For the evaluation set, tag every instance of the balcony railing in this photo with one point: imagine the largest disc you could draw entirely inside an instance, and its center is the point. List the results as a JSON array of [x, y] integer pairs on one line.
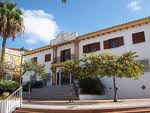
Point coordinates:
[[58, 59]]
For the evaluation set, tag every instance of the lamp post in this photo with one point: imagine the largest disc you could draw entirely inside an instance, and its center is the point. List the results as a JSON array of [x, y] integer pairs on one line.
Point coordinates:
[[21, 52]]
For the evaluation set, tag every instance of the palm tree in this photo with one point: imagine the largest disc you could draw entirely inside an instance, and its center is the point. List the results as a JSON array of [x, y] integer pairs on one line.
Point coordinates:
[[64, 1], [11, 24]]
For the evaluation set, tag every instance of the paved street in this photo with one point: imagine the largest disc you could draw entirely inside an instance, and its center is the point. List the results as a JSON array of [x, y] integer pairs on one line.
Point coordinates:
[[88, 104]]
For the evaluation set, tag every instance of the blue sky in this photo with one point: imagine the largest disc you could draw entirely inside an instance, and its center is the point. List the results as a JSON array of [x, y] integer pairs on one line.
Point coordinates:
[[45, 19]]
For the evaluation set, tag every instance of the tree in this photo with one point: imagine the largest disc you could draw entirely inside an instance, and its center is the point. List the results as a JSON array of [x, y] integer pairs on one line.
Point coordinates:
[[90, 65], [71, 67], [105, 64], [86, 67], [7, 68], [123, 66], [34, 69], [11, 24]]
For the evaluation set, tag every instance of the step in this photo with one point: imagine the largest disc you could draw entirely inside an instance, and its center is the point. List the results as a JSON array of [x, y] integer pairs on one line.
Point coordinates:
[[119, 110], [62, 92]]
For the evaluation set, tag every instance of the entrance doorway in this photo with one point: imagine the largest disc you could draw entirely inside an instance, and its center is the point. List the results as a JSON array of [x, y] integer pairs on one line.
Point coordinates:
[[65, 79]]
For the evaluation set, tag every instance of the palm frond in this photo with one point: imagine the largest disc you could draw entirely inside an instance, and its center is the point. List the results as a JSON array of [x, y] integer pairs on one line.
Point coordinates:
[[8, 85], [64, 1]]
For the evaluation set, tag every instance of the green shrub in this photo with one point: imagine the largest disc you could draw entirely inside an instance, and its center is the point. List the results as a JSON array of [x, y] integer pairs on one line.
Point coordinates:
[[91, 86], [26, 87], [8, 86], [38, 84]]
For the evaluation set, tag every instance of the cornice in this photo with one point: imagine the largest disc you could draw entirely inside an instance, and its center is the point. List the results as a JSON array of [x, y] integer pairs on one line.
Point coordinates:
[[120, 27], [115, 28], [38, 50]]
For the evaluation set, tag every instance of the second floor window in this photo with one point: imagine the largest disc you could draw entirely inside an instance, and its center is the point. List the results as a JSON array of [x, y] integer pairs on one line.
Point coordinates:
[[47, 57], [65, 55], [93, 47], [138, 37], [34, 59], [112, 43]]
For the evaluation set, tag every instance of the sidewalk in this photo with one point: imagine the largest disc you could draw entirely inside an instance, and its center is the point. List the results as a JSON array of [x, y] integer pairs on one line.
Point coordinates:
[[87, 104]]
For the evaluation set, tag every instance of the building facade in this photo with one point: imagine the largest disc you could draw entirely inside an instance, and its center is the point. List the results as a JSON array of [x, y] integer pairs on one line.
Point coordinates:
[[132, 36], [13, 60]]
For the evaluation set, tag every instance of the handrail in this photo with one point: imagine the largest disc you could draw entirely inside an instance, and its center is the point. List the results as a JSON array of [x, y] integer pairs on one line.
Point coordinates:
[[12, 102], [13, 93]]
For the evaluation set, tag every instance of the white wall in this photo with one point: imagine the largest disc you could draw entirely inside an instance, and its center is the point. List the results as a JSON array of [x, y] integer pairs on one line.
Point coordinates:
[[127, 88], [91, 97], [128, 46], [41, 60]]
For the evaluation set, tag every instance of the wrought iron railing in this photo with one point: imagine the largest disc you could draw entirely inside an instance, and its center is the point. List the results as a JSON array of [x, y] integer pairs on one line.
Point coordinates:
[[12, 102], [58, 59]]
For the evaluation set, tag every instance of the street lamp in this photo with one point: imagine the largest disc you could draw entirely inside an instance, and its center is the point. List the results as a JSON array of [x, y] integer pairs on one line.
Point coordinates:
[[21, 53]]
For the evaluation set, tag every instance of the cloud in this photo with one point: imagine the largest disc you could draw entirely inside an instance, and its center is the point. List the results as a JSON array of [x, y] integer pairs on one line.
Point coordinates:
[[39, 26], [134, 5]]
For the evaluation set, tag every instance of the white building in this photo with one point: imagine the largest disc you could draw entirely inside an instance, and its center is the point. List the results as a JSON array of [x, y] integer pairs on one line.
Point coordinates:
[[132, 36]]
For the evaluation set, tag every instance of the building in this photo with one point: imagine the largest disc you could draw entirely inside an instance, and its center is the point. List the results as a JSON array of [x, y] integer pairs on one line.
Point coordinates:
[[13, 60], [132, 36]]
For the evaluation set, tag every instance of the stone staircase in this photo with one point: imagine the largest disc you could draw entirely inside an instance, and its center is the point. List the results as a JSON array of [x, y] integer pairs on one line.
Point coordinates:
[[120, 110], [62, 92]]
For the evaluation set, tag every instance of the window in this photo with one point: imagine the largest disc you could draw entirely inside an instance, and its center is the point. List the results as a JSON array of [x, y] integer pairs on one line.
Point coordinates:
[[47, 57], [93, 47], [138, 37], [34, 59], [9, 77], [65, 54], [113, 43]]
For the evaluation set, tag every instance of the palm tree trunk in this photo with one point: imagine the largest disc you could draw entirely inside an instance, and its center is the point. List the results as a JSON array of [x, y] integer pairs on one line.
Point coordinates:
[[3, 53], [115, 89]]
